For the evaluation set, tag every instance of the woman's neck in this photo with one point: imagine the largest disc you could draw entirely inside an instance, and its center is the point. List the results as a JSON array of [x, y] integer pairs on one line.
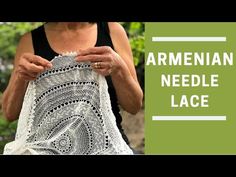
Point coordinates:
[[68, 26]]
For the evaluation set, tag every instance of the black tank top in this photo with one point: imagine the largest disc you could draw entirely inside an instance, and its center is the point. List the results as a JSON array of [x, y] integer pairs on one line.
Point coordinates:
[[43, 49]]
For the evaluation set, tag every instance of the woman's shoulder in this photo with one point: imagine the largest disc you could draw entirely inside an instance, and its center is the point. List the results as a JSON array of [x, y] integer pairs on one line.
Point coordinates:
[[24, 45], [116, 29], [119, 37], [27, 37], [25, 42]]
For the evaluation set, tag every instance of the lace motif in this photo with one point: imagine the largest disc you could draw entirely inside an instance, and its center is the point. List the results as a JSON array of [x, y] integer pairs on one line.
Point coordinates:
[[67, 110]]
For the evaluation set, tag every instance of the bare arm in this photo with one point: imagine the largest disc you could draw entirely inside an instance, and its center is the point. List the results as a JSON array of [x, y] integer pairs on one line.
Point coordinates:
[[125, 81], [26, 67], [119, 65]]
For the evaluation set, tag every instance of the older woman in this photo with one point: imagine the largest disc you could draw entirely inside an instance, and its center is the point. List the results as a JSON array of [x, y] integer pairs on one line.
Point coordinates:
[[104, 46]]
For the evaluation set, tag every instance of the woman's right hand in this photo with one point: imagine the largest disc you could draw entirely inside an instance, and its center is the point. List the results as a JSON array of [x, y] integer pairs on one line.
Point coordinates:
[[29, 66]]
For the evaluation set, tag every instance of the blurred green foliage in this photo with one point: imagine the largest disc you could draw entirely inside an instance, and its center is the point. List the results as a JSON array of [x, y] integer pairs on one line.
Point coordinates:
[[7, 132], [10, 33], [7, 129], [135, 32], [4, 78]]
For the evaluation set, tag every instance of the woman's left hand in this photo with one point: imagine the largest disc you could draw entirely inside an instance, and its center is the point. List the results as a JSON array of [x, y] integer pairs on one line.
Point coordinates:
[[104, 60]]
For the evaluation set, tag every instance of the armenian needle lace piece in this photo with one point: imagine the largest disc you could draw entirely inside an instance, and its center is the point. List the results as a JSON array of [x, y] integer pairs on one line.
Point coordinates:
[[67, 110]]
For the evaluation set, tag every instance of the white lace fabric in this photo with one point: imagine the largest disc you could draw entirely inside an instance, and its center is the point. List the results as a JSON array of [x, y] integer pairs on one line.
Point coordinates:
[[67, 110]]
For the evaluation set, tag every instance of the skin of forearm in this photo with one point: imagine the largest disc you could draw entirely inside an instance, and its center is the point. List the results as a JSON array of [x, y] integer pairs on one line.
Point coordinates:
[[129, 98], [13, 97]]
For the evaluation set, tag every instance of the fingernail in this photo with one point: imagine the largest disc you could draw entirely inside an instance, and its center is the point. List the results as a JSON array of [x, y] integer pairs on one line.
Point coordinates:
[[49, 65]]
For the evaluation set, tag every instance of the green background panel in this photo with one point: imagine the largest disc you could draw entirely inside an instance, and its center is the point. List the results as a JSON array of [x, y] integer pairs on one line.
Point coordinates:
[[190, 137]]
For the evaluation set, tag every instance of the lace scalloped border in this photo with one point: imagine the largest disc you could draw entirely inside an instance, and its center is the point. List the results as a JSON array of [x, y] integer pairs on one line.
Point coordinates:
[[116, 139]]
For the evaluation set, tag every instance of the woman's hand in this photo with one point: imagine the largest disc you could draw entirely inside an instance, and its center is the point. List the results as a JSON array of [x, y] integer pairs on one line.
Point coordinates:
[[30, 66], [104, 60]]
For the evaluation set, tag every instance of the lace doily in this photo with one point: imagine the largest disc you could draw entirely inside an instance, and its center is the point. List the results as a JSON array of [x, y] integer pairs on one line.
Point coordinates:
[[67, 110]]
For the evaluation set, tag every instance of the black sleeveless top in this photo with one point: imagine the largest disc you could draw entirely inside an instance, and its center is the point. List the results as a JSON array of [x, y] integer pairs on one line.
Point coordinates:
[[43, 49]]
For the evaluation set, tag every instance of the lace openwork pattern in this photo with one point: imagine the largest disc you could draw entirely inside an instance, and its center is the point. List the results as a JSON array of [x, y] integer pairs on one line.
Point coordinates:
[[67, 110]]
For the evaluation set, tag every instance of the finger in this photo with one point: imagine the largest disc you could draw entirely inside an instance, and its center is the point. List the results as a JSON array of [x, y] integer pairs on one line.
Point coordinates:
[[43, 62], [31, 74], [36, 68], [95, 50], [27, 77], [104, 72], [31, 68], [103, 65], [91, 58], [40, 61]]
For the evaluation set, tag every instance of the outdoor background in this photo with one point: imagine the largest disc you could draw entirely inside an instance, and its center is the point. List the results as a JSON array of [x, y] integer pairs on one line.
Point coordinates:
[[9, 37]]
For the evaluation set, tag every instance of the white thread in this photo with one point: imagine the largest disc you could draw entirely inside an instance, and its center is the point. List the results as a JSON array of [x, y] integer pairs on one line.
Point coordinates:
[[67, 110]]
